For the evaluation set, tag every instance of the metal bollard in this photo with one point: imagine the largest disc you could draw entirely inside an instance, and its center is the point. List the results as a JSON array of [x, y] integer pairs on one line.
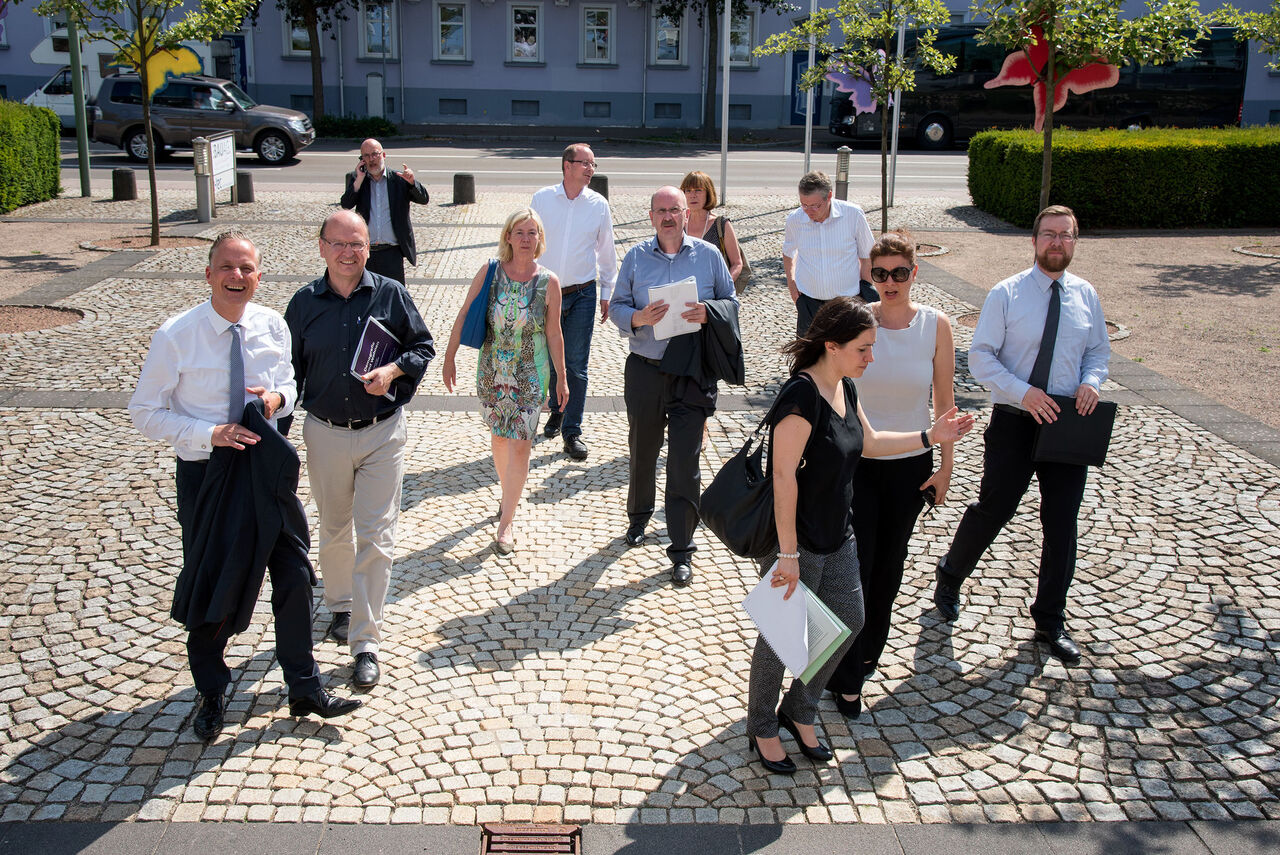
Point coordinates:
[[600, 184], [244, 186], [124, 186], [842, 172], [464, 188]]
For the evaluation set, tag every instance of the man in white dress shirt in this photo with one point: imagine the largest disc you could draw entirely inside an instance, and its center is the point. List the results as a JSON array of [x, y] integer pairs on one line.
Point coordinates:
[[826, 250], [580, 251], [186, 395]]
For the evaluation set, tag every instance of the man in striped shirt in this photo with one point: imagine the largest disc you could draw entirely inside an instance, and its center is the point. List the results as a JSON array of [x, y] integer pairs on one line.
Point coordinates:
[[826, 250]]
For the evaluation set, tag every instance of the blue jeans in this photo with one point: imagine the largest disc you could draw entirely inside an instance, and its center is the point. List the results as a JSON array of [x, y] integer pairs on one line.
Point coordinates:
[[577, 318]]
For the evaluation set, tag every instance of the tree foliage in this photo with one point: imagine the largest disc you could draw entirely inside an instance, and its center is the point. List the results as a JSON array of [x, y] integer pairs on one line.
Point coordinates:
[[708, 14], [138, 30], [860, 37], [1261, 27], [1078, 33]]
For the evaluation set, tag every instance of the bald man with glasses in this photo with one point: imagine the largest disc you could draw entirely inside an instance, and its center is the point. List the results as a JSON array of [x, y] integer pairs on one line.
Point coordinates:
[[381, 197]]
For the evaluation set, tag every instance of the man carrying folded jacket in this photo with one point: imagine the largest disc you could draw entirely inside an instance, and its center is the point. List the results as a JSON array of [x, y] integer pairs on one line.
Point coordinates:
[[1040, 333]]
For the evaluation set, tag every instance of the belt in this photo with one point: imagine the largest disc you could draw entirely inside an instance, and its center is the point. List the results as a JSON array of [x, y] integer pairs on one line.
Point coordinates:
[[381, 247], [1012, 410], [355, 424], [656, 363], [574, 289]]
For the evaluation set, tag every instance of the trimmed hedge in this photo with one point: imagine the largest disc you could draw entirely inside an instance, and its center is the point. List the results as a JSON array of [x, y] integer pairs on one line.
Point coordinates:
[[354, 127], [30, 160], [1153, 178]]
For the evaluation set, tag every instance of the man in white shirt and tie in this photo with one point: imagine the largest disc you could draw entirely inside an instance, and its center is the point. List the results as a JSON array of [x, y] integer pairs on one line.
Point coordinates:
[[203, 366], [1041, 333], [826, 250], [580, 251]]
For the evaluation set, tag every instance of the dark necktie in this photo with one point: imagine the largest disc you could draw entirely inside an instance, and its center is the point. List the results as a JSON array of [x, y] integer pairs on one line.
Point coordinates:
[[1044, 359], [236, 362]]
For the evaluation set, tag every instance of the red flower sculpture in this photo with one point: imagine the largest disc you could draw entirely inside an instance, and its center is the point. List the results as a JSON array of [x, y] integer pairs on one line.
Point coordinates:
[[1017, 71]]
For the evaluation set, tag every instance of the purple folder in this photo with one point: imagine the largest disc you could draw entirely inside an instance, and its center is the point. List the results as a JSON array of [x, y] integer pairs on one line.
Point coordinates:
[[377, 347]]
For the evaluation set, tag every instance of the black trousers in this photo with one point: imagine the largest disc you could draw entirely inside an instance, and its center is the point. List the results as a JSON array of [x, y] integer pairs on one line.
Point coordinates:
[[1007, 468], [886, 503], [387, 260], [657, 402], [290, 603], [807, 307]]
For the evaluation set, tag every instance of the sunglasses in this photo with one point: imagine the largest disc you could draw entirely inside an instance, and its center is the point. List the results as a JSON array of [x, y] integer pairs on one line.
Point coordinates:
[[899, 274]]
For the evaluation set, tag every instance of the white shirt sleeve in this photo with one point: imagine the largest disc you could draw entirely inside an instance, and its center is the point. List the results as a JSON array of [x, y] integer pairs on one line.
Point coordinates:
[[150, 407]]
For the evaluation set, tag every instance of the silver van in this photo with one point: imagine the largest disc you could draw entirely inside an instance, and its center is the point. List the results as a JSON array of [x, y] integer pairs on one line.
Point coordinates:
[[196, 106]]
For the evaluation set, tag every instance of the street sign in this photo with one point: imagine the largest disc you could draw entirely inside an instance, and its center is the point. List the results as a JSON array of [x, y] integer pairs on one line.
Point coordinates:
[[222, 151]]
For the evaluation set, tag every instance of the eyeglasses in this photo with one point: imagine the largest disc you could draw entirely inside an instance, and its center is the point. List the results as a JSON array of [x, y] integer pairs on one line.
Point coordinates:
[[343, 245], [665, 212], [373, 155], [1065, 237], [899, 274], [589, 164]]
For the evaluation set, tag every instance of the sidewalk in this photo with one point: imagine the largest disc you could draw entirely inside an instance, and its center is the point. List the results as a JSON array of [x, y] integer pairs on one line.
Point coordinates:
[[569, 682]]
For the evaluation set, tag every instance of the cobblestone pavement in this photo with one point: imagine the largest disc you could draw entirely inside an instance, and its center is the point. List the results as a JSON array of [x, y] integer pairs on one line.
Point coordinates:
[[569, 681]]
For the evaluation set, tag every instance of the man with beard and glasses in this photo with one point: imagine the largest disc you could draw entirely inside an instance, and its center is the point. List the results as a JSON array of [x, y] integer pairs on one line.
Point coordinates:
[[655, 396], [1040, 333]]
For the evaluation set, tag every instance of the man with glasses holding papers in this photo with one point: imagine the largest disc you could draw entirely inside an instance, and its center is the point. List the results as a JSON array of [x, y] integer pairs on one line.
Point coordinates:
[[355, 432], [657, 398]]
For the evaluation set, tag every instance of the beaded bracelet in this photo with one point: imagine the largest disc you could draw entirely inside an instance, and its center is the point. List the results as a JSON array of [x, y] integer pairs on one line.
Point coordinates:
[[795, 555]]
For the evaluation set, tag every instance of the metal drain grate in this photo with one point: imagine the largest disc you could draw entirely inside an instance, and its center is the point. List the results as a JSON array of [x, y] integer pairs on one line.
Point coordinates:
[[501, 837]]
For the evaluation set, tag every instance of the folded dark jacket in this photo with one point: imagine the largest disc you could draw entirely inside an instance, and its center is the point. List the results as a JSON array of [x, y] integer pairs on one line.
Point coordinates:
[[714, 353]]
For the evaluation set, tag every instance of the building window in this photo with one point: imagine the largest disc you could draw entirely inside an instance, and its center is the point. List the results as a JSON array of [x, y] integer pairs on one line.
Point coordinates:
[[302, 103], [525, 108], [597, 34], [597, 109], [742, 39], [668, 41], [739, 112], [452, 37], [453, 106], [296, 40], [957, 18], [377, 30], [526, 38], [666, 111]]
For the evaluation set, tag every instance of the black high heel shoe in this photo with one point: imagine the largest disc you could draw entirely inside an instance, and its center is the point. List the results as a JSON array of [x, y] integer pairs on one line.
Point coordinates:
[[820, 753], [785, 766], [849, 709]]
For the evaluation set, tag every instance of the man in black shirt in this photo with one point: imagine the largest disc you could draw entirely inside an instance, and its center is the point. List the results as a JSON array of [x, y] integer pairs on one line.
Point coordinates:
[[354, 431]]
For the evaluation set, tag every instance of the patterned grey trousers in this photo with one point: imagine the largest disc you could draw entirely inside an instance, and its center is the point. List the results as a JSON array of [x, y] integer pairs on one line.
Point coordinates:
[[837, 582]]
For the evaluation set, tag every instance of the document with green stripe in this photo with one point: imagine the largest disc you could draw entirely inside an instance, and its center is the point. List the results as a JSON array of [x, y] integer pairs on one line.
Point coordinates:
[[802, 631]]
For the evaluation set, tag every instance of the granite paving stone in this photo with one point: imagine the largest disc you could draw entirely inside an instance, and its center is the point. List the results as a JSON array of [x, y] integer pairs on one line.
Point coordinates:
[[569, 681]]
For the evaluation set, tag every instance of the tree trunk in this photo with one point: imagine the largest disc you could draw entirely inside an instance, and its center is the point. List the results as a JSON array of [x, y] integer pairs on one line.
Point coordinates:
[[1046, 167], [885, 113], [144, 79], [317, 72], [713, 47]]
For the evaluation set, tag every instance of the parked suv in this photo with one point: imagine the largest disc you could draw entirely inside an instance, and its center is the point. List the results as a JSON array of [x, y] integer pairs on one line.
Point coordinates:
[[195, 106]]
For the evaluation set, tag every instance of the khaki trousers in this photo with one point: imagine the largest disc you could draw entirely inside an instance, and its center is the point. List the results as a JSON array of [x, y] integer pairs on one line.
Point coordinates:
[[356, 476]]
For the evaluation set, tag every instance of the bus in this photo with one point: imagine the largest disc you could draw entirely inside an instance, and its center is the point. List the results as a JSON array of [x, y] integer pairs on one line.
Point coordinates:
[[1202, 90]]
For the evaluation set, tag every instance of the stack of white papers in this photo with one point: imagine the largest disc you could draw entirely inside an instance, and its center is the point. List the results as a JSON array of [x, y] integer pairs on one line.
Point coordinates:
[[675, 295], [802, 631]]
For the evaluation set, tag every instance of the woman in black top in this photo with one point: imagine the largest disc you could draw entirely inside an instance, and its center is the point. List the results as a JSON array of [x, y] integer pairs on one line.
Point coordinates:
[[819, 434]]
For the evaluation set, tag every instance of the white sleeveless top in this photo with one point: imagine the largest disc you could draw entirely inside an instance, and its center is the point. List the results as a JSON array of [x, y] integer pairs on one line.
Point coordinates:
[[895, 388]]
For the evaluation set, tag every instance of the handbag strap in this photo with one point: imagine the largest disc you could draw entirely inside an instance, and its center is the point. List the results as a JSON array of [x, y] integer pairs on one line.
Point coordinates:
[[755, 435]]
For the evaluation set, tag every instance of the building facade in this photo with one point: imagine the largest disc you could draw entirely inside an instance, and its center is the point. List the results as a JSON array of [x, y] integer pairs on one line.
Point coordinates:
[[580, 63]]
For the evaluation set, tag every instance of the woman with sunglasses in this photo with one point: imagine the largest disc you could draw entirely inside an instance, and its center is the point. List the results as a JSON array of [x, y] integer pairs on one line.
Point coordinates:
[[914, 353]]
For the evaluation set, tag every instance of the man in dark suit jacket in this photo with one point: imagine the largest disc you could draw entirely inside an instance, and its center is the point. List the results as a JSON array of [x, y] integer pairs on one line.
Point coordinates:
[[382, 198]]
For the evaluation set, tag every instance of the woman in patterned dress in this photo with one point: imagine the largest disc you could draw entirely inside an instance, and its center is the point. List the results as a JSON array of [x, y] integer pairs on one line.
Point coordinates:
[[521, 343]]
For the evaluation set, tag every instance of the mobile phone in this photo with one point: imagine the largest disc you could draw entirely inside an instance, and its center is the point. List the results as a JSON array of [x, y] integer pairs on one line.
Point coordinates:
[[930, 495]]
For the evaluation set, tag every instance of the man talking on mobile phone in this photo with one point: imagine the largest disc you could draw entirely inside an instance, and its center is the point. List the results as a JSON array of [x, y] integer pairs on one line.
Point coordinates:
[[382, 198]]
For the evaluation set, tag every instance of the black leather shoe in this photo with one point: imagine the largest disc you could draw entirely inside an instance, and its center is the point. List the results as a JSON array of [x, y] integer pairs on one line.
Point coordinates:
[[785, 766], [946, 597], [365, 674], [552, 429], [339, 627], [849, 709], [635, 534], [681, 574], [1060, 645], [323, 704], [575, 447], [209, 716], [820, 752]]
